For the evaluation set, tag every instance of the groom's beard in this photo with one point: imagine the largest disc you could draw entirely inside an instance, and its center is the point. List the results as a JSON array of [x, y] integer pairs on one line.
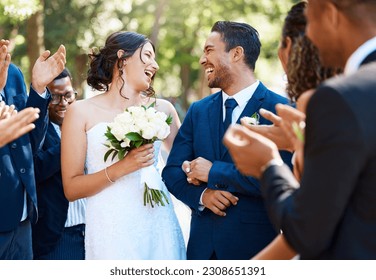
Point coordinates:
[[222, 79]]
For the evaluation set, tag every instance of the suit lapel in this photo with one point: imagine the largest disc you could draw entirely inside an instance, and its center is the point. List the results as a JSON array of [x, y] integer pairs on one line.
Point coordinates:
[[252, 106], [214, 112]]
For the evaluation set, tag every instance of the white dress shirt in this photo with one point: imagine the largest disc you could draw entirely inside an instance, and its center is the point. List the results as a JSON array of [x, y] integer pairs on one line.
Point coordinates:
[[77, 208], [357, 57]]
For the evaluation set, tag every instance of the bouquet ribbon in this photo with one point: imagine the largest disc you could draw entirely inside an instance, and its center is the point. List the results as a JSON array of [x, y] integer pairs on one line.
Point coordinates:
[[151, 177]]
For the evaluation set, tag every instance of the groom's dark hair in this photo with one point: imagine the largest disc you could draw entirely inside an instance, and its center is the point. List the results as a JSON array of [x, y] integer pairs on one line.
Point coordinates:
[[236, 34]]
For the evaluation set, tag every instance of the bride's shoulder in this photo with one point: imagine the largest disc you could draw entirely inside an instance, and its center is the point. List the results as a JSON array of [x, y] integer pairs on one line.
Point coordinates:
[[164, 105], [82, 108]]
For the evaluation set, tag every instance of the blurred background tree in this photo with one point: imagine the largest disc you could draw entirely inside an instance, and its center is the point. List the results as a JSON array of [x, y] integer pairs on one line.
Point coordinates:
[[177, 27]]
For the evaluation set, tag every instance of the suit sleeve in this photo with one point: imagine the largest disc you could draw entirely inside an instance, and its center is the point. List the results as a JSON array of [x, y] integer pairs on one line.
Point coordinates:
[[47, 163], [334, 153], [38, 134], [172, 174]]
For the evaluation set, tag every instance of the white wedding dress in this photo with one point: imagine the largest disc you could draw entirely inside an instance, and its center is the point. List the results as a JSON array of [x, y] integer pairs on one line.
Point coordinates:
[[118, 225]]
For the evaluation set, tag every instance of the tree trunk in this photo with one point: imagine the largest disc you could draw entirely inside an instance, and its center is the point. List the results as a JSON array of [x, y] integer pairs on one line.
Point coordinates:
[[35, 38], [157, 23], [80, 82]]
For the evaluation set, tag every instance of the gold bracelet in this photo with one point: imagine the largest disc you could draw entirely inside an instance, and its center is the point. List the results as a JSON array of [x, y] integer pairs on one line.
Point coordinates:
[[108, 177]]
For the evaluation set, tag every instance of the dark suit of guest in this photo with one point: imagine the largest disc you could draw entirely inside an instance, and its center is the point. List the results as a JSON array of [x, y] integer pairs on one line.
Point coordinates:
[[246, 228], [16, 163], [333, 213], [52, 204]]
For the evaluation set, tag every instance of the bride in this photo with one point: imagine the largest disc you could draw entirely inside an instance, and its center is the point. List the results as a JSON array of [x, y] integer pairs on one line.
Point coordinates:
[[118, 225]]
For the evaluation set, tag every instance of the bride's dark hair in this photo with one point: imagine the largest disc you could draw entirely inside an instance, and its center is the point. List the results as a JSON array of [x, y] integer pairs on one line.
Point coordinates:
[[102, 62]]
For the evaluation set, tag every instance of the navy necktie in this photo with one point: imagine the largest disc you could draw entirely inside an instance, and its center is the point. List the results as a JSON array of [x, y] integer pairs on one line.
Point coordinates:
[[230, 104]]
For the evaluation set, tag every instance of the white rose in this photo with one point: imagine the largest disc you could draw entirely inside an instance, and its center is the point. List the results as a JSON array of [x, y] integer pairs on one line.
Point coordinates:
[[160, 116], [148, 132], [150, 113], [137, 112], [124, 118], [163, 132], [125, 143], [140, 124], [118, 131]]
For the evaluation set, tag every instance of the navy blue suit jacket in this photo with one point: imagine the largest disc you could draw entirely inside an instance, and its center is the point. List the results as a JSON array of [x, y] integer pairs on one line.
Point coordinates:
[[16, 158], [246, 229], [52, 204], [332, 214]]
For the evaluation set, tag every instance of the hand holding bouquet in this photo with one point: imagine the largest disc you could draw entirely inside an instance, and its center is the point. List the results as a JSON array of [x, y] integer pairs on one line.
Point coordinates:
[[136, 126]]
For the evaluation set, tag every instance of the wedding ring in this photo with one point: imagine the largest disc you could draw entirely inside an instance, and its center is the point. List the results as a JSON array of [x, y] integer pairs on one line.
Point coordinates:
[[188, 169]]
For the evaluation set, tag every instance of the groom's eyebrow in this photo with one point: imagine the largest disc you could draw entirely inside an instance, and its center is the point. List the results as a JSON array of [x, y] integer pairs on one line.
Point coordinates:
[[208, 47]]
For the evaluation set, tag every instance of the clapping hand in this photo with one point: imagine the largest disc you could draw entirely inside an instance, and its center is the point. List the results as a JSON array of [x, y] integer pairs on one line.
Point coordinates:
[[13, 124], [293, 125], [249, 150], [274, 132], [47, 67], [4, 62]]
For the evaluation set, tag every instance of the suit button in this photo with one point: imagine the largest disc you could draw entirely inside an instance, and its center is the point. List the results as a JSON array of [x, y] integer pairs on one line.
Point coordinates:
[[22, 170], [14, 145]]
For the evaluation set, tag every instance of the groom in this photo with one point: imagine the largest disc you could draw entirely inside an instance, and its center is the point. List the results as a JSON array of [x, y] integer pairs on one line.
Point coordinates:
[[229, 220]]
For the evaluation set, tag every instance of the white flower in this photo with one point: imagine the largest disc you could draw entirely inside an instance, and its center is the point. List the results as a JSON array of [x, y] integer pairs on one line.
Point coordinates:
[[253, 120], [137, 112], [125, 143], [163, 132], [148, 132], [118, 131]]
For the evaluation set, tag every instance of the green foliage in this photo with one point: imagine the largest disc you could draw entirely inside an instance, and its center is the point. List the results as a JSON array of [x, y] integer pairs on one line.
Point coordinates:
[[19, 10], [181, 27]]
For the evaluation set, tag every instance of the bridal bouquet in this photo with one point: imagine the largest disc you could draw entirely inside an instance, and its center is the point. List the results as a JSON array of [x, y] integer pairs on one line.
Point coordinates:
[[136, 126]]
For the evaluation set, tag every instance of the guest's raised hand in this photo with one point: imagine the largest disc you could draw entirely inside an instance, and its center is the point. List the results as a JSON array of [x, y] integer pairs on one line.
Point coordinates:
[[5, 59], [47, 67], [274, 132], [250, 151], [218, 201], [293, 124], [17, 124], [6, 111]]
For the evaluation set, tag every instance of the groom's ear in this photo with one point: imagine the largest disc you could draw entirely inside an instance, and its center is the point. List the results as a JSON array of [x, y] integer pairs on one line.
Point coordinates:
[[237, 54]]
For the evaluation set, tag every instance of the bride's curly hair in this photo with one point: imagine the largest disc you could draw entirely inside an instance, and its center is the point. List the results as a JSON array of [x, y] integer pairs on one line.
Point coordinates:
[[304, 70], [103, 61]]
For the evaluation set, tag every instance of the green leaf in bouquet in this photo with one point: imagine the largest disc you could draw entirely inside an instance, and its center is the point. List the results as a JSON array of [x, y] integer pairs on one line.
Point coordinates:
[[108, 153], [114, 155], [116, 145], [121, 154], [138, 143], [134, 136], [169, 120]]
